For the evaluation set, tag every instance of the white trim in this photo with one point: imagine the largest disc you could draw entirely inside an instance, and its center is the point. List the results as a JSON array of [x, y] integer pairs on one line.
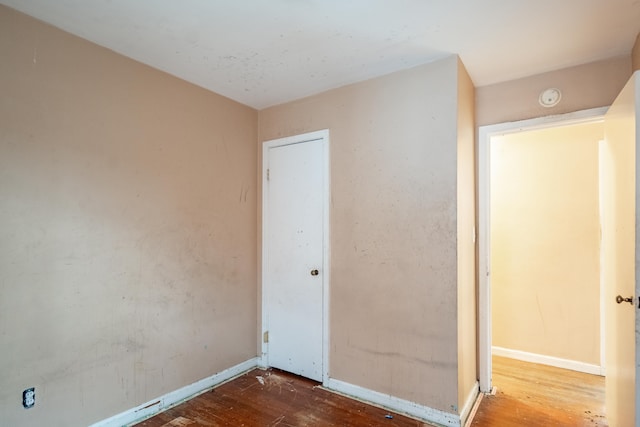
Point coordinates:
[[603, 329], [469, 402], [577, 117], [542, 359], [392, 403], [326, 289], [162, 403], [474, 410], [484, 294], [485, 133], [297, 139]]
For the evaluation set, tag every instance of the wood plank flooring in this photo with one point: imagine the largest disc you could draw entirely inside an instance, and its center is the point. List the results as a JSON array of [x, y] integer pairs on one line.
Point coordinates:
[[528, 395], [274, 398], [533, 395]]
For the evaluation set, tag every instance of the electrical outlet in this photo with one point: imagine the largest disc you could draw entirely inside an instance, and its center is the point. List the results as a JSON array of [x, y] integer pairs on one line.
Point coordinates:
[[29, 398]]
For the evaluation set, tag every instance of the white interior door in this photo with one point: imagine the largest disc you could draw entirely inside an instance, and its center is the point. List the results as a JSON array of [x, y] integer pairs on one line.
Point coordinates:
[[294, 252], [620, 257]]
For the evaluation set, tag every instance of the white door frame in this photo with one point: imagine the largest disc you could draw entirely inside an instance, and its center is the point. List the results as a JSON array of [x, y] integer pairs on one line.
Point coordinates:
[[266, 146], [485, 133]]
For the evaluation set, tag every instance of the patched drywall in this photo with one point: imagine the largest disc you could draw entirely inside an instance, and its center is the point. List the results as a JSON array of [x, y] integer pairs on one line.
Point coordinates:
[[127, 229], [394, 266]]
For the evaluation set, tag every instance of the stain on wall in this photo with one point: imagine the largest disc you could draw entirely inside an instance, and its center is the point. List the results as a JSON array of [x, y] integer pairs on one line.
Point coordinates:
[[127, 229], [393, 216]]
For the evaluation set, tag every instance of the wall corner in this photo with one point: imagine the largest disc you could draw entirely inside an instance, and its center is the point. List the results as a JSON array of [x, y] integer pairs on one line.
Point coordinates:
[[466, 241], [635, 55]]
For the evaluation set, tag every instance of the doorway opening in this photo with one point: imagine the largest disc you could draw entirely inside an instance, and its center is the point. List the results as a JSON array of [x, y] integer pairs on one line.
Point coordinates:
[[540, 292]]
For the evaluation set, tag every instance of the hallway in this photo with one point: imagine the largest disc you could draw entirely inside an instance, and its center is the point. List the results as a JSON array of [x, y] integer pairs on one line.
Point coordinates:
[[538, 395]]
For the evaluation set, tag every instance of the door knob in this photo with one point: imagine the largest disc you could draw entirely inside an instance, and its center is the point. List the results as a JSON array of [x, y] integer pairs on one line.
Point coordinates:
[[314, 272], [620, 300]]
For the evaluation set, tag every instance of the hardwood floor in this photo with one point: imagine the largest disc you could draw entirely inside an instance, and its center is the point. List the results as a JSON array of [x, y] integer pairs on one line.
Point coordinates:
[[531, 395], [274, 398], [527, 395]]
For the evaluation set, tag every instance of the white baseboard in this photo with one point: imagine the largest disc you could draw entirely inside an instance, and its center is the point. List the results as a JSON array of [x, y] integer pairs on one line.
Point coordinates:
[[469, 402], [573, 365], [173, 398], [392, 403], [474, 410]]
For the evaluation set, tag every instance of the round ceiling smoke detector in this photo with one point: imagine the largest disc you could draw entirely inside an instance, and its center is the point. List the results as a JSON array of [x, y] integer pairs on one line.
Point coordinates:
[[550, 97]]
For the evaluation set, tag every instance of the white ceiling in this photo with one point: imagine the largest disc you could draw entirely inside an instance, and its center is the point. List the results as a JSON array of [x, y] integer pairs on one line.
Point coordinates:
[[265, 52]]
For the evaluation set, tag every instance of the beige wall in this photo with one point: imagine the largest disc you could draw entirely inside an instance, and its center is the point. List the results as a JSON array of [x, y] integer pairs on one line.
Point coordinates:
[[545, 249], [466, 222], [635, 54], [585, 86], [127, 229], [394, 278]]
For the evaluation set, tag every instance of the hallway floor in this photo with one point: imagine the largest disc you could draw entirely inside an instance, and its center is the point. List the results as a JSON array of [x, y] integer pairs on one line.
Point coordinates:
[[532, 395]]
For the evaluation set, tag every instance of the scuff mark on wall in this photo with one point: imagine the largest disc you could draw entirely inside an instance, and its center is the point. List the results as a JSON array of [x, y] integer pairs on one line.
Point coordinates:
[[243, 193], [121, 237], [449, 364]]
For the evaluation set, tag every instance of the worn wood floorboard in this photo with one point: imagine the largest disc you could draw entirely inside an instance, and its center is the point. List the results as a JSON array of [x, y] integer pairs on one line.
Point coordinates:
[[274, 398], [533, 395], [528, 395]]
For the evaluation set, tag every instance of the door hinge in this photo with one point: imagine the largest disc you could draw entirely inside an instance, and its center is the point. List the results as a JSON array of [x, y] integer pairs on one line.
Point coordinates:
[[265, 337], [267, 174]]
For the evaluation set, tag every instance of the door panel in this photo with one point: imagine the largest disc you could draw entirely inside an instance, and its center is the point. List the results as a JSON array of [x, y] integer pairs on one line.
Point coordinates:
[[294, 252], [620, 263]]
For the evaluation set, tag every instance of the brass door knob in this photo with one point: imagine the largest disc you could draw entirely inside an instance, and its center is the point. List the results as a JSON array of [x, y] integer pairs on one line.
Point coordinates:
[[314, 272], [620, 300]]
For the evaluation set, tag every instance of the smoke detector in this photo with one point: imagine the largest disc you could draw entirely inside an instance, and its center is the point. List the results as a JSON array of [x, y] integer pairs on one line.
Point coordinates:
[[550, 97]]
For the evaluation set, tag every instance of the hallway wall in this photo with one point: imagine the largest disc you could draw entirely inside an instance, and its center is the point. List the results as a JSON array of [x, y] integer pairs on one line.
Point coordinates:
[[586, 86], [545, 242]]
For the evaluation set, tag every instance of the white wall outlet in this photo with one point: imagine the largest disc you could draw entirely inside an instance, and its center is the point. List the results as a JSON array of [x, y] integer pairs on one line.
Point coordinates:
[[29, 398]]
